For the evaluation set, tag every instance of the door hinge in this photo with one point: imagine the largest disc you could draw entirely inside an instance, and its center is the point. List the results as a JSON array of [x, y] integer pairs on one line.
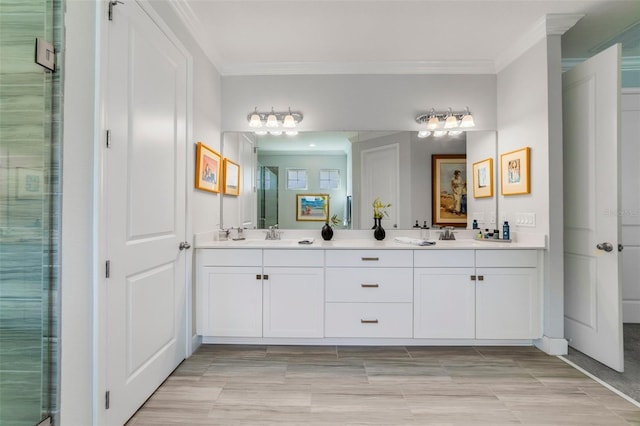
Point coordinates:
[[107, 401], [108, 139], [111, 4], [107, 269]]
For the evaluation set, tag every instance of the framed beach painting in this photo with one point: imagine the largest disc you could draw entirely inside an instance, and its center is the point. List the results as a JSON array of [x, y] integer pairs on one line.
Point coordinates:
[[208, 168], [449, 190], [483, 178], [312, 207], [231, 177], [514, 172]]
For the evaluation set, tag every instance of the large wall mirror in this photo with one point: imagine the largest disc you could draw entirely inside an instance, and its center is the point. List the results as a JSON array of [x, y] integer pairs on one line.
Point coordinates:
[[344, 171]]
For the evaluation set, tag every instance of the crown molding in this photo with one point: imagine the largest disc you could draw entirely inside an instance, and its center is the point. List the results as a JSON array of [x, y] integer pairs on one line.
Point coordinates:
[[403, 67], [630, 63], [194, 26], [552, 24]]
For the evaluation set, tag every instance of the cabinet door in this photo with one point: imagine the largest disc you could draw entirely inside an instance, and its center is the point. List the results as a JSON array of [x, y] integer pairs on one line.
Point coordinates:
[[507, 304], [444, 303], [293, 302], [230, 302]]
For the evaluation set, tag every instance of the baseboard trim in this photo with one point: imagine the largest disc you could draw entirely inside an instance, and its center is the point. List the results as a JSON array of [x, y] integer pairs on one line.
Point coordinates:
[[196, 342], [552, 345]]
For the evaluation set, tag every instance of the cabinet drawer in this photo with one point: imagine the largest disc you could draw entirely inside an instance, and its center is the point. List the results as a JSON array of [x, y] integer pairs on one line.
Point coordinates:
[[443, 258], [507, 258], [369, 320], [370, 258], [293, 258], [369, 285], [229, 257]]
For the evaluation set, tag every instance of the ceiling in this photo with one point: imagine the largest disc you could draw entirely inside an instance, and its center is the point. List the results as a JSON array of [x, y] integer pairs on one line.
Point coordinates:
[[256, 37]]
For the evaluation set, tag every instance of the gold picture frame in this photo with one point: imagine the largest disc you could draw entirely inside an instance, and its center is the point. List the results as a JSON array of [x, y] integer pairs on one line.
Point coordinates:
[[312, 207], [483, 178], [449, 190], [208, 167], [515, 172], [231, 177]]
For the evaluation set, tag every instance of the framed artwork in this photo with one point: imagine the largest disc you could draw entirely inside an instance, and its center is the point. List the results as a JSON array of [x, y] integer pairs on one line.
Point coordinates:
[[483, 178], [231, 177], [312, 207], [449, 190], [208, 168], [514, 172]]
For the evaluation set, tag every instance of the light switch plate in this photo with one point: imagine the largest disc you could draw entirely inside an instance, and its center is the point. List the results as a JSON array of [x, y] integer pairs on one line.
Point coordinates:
[[45, 54], [526, 219]]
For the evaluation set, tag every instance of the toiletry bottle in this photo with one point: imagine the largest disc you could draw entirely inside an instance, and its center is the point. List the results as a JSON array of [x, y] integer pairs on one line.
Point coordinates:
[[486, 233], [475, 224], [505, 231], [479, 236], [416, 225]]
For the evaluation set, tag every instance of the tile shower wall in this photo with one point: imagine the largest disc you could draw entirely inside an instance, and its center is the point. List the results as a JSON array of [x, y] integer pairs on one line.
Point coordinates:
[[29, 213]]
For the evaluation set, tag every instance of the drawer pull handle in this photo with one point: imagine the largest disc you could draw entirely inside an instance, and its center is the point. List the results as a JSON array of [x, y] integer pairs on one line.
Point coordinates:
[[473, 277], [370, 259], [480, 277], [364, 321], [369, 285]]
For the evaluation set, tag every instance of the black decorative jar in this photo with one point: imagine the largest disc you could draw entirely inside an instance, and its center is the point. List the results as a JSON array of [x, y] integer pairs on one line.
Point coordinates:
[[327, 232], [378, 230]]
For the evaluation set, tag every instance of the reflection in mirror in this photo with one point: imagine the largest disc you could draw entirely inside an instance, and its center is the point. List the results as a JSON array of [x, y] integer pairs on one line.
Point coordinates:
[[353, 168]]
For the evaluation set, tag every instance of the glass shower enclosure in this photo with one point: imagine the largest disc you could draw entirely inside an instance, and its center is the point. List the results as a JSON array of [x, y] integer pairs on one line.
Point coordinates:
[[29, 214]]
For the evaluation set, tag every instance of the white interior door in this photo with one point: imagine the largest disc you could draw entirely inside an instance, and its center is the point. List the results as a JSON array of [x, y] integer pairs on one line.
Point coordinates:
[[380, 179], [144, 181], [591, 121]]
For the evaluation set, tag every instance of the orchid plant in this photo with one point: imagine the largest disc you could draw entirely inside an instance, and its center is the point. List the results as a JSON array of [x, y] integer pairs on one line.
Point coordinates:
[[380, 208]]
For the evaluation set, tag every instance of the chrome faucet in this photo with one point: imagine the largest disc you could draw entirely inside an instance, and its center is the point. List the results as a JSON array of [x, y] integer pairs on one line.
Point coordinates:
[[447, 234], [273, 233]]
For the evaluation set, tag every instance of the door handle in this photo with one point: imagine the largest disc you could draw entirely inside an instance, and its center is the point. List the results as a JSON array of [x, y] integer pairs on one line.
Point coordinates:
[[184, 245], [605, 246]]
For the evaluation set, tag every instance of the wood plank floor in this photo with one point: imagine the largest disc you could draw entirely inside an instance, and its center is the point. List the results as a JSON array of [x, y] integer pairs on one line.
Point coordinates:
[[330, 386]]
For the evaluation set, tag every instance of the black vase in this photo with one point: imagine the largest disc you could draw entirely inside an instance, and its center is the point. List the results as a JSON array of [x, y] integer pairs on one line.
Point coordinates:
[[378, 231], [327, 232]]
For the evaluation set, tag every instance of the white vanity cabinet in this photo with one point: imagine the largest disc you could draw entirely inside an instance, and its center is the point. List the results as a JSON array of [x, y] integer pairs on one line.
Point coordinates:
[[369, 293], [293, 297], [481, 294], [508, 295], [229, 293], [444, 294]]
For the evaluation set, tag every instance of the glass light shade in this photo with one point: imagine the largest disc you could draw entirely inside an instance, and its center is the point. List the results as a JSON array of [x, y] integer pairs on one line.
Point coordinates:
[[255, 121], [272, 120], [439, 133], [467, 121], [433, 123], [275, 132], [423, 133], [289, 122], [451, 122], [291, 132]]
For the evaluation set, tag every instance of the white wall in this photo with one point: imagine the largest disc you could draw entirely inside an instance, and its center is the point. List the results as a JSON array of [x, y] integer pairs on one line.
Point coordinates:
[[529, 99], [480, 146], [358, 102], [77, 263], [82, 137]]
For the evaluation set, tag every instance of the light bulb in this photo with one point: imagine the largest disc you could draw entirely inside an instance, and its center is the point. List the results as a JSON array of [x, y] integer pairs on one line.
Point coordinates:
[[275, 132], [439, 133], [272, 120], [424, 133]]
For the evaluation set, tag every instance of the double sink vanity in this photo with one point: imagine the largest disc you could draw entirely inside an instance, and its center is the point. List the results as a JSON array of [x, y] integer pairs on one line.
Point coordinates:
[[356, 290]]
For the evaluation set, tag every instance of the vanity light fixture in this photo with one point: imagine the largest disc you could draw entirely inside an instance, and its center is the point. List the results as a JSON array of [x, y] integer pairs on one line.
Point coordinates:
[[446, 119], [276, 122]]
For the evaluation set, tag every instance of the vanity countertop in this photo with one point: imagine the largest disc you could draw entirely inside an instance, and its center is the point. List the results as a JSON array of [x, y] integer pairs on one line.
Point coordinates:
[[364, 240]]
